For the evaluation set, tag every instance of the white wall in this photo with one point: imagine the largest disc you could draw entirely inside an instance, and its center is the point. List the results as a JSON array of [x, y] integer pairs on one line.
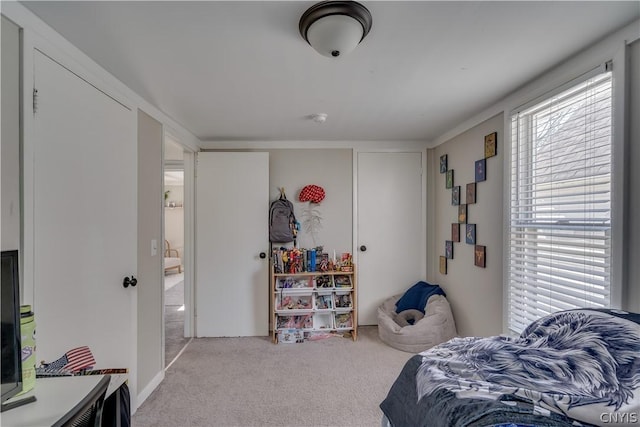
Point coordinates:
[[609, 48], [10, 150], [475, 293], [44, 37], [331, 169], [174, 218], [36, 34]]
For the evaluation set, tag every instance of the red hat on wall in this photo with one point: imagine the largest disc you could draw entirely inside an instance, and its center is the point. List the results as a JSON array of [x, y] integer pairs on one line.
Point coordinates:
[[311, 193]]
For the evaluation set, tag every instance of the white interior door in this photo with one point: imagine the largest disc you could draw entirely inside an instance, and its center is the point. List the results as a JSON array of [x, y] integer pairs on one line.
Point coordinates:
[[232, 281], [83, 224], [391, 228]]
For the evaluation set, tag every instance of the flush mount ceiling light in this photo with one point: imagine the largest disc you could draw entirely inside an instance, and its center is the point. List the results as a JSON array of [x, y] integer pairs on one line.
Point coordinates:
[[335, 28]]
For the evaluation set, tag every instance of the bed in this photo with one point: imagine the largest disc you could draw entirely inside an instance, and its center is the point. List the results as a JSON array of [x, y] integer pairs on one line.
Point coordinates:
[[572, 368]]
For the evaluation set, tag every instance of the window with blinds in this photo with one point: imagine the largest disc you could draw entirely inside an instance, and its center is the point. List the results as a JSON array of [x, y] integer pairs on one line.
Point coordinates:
[[560, 205]]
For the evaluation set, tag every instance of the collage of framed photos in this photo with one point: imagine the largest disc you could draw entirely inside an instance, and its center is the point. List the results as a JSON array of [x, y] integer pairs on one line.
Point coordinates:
[[470, 198]]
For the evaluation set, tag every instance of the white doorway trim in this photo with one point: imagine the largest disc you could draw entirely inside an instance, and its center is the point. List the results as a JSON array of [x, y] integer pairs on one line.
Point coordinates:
[[187, 166], [189, 243]]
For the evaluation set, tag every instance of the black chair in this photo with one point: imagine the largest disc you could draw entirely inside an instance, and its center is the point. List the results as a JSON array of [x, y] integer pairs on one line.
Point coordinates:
[[87, 413]]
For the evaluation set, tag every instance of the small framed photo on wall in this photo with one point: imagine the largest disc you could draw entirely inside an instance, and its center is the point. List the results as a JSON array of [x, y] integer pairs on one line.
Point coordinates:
[[443, 265], [470, 235], [443, 163], [462, 214], [455, 195], [481, 170], [490, 145], [450, 178], [455, 232], [448, 249], [471, 193], [479, 256]]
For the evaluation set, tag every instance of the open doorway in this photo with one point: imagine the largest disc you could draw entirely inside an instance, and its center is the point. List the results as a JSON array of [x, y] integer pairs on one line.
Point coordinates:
[[174, 251]]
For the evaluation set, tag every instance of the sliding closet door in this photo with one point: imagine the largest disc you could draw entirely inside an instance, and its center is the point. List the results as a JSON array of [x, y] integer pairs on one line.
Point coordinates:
[[81, 226], [232, 209]]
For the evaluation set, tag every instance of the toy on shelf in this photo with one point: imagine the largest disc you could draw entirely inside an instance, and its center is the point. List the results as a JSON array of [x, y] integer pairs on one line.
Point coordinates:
[[295, 322], [324, 262], [299, 302], [343, 320], [294, 283], [343, 300], [324, 282], [323, 302], [342, 281], [295, 260], [346, 262]]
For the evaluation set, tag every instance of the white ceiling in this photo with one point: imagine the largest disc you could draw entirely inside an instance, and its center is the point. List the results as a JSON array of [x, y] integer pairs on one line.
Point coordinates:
[[241, 71], [173, 151]]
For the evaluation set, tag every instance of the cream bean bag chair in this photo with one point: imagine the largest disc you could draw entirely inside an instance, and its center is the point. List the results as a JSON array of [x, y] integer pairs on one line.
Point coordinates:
[[434, 327]]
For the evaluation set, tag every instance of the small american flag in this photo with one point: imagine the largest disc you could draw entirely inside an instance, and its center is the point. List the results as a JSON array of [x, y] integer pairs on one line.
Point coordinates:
[[73, 360]]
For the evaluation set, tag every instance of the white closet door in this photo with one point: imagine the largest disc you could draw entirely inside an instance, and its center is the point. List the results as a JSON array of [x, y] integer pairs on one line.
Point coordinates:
[[232, 209], [83, 225], [391, 224]]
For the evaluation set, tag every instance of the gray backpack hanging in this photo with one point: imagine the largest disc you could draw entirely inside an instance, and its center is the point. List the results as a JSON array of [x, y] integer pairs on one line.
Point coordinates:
[[282, 221]]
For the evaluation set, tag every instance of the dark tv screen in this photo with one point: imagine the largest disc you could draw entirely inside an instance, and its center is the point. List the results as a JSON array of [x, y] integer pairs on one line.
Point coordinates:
[[11, 365]]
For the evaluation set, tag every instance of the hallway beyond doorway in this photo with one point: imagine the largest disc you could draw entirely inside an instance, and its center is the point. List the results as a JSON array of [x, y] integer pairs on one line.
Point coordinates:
[[174, 316]]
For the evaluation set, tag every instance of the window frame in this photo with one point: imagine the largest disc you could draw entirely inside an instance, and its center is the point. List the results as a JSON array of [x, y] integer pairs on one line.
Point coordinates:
[[619, 178]]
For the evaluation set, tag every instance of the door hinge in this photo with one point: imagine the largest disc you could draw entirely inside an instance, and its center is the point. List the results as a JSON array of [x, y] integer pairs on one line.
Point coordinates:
[[35, 100]]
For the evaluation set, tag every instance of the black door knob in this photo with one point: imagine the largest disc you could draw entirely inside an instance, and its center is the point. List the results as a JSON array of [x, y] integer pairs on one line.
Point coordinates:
[[363, 248], [126, 282], [263, 255]]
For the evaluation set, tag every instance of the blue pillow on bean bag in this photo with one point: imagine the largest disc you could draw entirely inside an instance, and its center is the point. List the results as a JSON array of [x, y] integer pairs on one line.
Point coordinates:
[[417, 296]]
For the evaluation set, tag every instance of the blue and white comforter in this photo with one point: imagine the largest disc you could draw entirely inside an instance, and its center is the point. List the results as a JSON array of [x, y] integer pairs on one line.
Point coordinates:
[[578, 367]]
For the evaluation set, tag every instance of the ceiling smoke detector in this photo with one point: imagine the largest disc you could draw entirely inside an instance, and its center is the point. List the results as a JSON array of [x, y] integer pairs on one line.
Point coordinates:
[[335, 28], [319, 117]]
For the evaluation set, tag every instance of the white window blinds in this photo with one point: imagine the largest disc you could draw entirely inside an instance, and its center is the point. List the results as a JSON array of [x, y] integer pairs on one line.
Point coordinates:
[[560, 206]]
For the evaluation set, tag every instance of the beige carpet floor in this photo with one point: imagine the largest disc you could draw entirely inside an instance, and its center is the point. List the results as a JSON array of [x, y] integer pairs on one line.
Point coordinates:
[[253, 382], [172, 278]]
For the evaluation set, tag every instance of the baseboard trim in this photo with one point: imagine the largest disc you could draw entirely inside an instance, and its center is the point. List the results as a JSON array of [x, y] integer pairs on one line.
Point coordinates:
[[146, 392]]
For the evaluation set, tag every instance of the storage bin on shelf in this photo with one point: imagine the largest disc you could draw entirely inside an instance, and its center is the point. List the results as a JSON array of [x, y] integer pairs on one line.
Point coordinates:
[[294, 300], [342, 300], [343, 320], [294, 282], [323, 320], [290, 336], [324, 281], [323, 300], [295, 321], [342, 281]]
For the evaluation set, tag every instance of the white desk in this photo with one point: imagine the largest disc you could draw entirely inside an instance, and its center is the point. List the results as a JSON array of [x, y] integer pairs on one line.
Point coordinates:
[[55, 398]]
